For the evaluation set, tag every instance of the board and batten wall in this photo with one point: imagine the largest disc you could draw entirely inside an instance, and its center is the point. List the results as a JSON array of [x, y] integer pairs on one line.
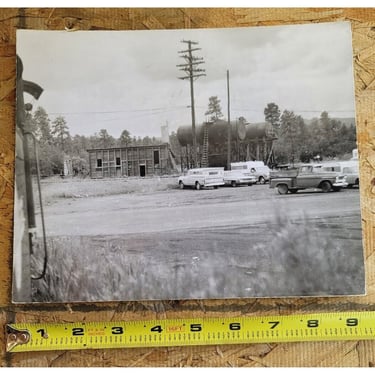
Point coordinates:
[[129, 161], [351, 353]]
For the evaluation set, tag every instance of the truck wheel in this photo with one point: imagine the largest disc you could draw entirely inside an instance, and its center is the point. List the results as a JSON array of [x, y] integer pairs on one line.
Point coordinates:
[[216, 187], [282, 189], [262, 180], [198, 186], [326, 186], [233, 184], [181, 185]]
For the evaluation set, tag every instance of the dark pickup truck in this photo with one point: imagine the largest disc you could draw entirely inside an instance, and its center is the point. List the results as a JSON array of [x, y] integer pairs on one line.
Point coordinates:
[[306, 177]]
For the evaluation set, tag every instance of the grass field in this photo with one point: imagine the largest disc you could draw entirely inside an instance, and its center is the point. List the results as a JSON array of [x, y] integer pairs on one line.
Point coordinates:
[[283, 258], [55, 188]]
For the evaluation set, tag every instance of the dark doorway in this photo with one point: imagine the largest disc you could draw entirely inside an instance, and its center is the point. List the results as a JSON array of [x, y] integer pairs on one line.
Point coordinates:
[[142, 170]]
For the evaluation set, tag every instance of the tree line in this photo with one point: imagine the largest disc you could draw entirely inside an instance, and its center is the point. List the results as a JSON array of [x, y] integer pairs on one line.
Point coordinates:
[[300, 140], [55, 143]]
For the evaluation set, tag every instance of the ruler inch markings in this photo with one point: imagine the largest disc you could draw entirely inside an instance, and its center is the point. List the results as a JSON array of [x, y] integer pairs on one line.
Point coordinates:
[[24, 337]]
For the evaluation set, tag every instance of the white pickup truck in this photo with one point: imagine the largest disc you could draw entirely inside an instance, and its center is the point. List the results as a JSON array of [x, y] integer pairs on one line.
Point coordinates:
[[202, 177], [237, 177]]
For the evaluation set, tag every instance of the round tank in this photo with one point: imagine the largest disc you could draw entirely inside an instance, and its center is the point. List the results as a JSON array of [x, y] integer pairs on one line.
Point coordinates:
[[185, 136], [217, 132], [254, 131]]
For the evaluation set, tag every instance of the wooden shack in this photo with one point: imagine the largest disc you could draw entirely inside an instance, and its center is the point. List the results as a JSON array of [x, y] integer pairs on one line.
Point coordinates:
[[129, 161]]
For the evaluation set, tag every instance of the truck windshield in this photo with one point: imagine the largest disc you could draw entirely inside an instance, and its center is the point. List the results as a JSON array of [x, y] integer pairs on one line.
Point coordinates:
[[238, 167]]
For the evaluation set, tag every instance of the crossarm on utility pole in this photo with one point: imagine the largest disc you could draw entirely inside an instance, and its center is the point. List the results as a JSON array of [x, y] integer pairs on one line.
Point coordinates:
[[191, 73]]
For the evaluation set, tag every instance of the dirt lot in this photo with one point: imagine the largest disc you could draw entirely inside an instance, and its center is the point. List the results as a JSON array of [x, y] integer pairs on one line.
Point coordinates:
[[146, 239]]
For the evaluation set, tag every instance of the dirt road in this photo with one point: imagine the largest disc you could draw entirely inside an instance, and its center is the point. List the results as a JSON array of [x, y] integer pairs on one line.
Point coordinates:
[[175, 210]]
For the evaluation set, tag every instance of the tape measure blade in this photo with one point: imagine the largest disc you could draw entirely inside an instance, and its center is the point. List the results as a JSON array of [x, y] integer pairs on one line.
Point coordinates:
[[192, 331]]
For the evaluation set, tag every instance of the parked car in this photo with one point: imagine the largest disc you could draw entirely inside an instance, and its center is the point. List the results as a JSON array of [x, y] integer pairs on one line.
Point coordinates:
[[239, 177], [256, 168], [348, 168], [306, 177], [199, 178], [352, 175]]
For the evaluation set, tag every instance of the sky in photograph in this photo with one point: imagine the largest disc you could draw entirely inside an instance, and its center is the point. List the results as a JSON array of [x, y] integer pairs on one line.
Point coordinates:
[[118, 80]]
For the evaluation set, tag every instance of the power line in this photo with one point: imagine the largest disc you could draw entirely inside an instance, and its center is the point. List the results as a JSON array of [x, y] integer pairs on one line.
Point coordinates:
[[118, 111], [139, 115], [298, 110]]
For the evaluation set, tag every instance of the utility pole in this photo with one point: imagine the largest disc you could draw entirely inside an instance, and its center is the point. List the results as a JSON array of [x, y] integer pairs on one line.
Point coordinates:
[[192, 72], [229, 127]]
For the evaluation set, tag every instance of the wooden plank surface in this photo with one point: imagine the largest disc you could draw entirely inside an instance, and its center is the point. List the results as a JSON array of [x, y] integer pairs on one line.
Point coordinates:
[[356, 354]]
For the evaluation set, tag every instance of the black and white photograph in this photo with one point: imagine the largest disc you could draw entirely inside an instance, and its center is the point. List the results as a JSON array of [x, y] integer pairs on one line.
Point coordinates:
[[186, 164]]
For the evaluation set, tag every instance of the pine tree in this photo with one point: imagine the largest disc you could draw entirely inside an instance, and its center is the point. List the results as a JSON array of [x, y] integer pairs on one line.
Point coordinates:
[[125, 138], [42, 125], [106, 140], [60, 132], [272, 115], [214, 108]]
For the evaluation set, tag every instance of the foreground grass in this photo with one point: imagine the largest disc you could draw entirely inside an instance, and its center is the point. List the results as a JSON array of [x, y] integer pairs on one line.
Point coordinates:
[[282, 258], [57, 188]]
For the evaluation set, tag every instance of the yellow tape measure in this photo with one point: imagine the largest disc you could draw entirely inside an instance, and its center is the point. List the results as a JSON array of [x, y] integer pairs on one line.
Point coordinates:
[[23, 337]]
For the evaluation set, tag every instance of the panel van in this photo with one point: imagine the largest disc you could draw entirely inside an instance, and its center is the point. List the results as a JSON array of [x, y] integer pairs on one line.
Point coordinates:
[[256, 168]]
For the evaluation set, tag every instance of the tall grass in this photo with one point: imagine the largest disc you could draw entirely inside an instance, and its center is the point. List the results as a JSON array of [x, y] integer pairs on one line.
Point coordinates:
[[57, 188], [289, 258], [77, 272], [313, 258]]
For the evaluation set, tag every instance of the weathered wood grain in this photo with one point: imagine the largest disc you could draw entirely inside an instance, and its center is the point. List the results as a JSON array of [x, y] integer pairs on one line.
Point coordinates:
[[297, 354]]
